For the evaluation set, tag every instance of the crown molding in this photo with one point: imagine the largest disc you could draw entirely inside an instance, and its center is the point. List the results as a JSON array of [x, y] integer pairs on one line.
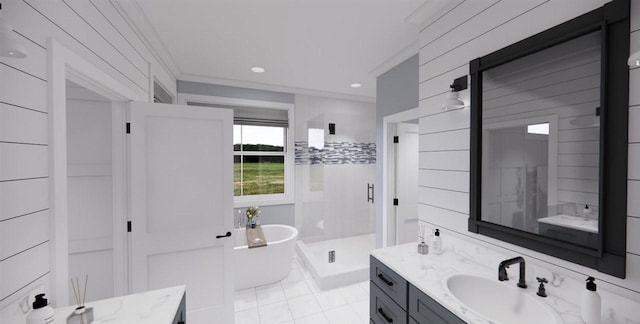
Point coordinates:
[[138, 21], [422, 17], [403, 55], [276, 88], [430, 11]]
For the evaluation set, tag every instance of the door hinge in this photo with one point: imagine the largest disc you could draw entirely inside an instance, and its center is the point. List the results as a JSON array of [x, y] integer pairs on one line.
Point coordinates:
[[396, 139], [395, 201], [128, 128], [129, 227]]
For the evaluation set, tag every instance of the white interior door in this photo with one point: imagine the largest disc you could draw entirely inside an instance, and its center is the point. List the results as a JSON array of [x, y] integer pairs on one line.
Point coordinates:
[[407, 183], [181, 199]]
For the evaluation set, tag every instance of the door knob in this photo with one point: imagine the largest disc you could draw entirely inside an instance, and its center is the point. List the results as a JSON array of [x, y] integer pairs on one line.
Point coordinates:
[[221, 236]]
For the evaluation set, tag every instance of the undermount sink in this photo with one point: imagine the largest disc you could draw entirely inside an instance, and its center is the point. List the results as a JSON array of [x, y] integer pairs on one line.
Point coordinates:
[[498, 302]]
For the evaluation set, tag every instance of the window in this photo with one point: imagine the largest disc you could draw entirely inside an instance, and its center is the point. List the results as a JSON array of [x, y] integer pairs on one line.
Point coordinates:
[[258, 160], [262, 161]]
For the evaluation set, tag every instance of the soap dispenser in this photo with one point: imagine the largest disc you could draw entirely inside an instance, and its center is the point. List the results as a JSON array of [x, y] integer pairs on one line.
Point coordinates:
[[42, 313], [590, 307], [436, 242], [586, 212]]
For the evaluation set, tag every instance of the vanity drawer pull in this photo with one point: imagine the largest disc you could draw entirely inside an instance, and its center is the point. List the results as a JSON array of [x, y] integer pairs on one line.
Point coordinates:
[[385, 316], [385, 280]]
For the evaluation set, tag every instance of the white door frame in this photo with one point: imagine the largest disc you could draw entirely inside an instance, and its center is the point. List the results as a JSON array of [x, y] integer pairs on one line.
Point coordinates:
[[64, 65], [387, 196]]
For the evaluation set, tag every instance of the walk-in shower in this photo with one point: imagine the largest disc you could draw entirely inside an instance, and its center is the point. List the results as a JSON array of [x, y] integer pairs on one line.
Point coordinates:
[[334, 186]]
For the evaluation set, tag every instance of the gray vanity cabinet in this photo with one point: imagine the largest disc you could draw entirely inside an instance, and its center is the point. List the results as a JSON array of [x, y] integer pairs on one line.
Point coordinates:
[[393, 300], [388, 281], [383, 309], [426, 310], [181, 313], [388, 295]]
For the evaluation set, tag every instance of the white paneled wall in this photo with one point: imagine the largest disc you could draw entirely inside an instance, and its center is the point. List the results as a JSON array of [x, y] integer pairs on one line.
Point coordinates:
[[469, 31], [98, 31]]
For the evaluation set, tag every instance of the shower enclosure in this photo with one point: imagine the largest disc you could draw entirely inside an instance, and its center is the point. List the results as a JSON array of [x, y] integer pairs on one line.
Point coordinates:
[[335, 173]]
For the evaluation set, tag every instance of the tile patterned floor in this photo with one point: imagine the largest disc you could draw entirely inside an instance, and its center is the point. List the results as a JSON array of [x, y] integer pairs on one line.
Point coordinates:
[[298, 300]]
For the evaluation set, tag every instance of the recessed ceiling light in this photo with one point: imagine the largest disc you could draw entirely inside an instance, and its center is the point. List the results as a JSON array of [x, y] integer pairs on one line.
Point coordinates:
[[356, 85], [257, 69]]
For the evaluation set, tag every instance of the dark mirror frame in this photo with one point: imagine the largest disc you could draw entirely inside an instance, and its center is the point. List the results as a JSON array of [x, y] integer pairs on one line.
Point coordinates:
[[609, 257]]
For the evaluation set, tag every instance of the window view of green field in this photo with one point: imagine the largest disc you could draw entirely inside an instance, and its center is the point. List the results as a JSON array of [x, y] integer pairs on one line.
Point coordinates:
[[258, 162], [258, 175]]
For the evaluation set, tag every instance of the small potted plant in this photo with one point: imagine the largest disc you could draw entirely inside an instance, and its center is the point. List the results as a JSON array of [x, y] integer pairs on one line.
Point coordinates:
[[252, 215]]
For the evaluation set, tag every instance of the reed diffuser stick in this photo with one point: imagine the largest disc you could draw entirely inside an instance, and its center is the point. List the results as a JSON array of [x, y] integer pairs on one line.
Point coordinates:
[[84, 295], [78, 286], [75, 293]]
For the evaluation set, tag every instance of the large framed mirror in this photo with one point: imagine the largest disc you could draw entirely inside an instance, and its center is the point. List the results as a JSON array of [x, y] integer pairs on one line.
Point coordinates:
[[549, 119]]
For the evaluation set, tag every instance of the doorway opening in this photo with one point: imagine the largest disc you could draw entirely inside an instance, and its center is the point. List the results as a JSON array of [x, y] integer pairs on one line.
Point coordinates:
[[90, 195], [77, 173], [400, 178]]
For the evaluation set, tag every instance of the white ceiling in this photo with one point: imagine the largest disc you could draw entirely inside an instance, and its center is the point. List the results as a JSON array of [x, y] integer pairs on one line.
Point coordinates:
[[320, 45]]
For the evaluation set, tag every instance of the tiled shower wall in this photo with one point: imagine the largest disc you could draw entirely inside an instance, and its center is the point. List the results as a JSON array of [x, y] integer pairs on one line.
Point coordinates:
[[473, 29], [332, 173]]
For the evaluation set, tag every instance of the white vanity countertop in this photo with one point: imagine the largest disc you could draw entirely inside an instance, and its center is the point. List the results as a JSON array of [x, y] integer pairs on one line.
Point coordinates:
[[152, 307], [574, 222], [429, 273]]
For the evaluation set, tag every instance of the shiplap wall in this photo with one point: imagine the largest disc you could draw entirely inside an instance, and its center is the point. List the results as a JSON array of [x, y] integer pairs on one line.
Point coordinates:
[[96, 30], [473, 29]]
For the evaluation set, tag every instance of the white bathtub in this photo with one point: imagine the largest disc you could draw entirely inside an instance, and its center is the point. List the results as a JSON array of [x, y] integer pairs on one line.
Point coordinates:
[[264, 265]]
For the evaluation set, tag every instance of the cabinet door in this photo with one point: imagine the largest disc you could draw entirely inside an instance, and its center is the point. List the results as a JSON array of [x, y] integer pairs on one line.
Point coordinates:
[[427, 311], [390, 282], [383, 310]]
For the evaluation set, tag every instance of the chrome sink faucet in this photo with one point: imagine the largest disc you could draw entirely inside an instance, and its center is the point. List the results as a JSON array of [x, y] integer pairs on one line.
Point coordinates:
[[504, 265]]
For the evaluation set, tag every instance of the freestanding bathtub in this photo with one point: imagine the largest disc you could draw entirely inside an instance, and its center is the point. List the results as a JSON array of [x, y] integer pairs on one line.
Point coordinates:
[[264, 265]]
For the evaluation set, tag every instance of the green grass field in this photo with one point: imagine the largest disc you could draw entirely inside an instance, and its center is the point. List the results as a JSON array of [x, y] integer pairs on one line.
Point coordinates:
[[259, 179]]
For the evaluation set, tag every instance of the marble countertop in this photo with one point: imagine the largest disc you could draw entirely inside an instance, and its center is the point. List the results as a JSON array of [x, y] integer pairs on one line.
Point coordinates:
[[152, 307], [429, 273], [573, 222]]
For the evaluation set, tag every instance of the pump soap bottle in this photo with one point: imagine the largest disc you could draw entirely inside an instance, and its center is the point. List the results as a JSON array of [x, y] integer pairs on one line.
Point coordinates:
[[436, 242], [42, 313], [586, 212], [590, 307]]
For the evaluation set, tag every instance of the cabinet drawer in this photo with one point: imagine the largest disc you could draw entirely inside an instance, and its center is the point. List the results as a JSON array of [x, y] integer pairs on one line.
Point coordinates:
[[425, 310], [383, 310], [388, 281]]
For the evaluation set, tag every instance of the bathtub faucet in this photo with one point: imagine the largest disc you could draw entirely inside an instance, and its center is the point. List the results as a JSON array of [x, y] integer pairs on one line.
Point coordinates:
[[237, 223]]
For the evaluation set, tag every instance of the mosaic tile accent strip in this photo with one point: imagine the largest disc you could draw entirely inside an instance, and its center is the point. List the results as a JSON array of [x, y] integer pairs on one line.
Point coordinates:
[[336, 153]]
